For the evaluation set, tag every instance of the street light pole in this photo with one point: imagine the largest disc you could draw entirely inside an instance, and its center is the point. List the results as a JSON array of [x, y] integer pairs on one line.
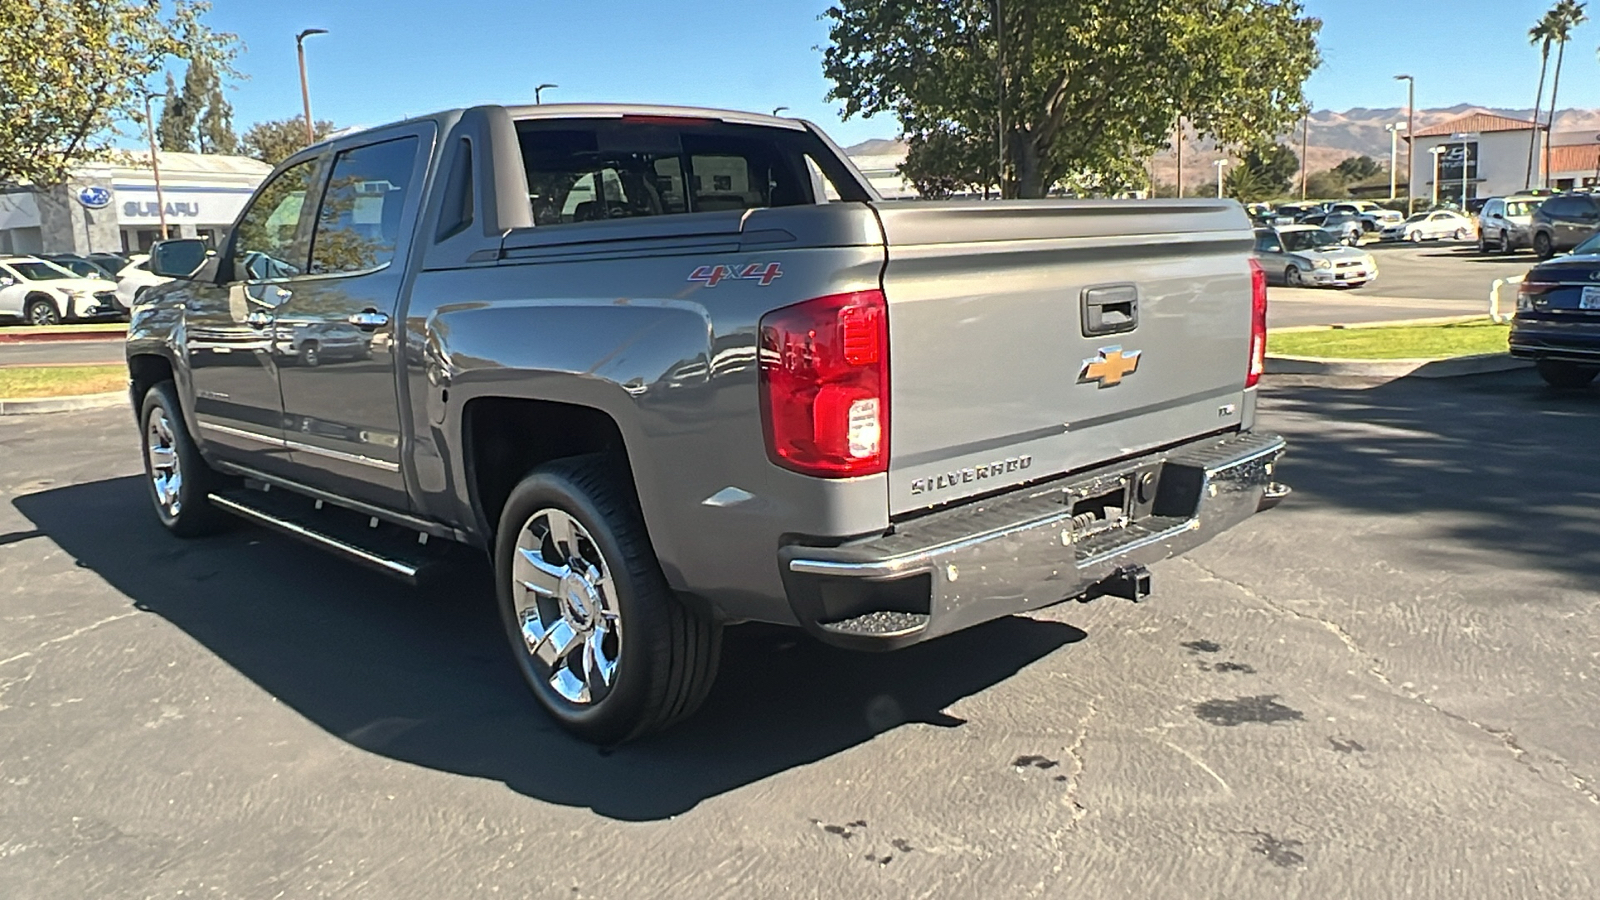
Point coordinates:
[[155, 160], [1394, 151], [1411, 130], [305, 89], [778, 109], [1220, 164], [537, 99]]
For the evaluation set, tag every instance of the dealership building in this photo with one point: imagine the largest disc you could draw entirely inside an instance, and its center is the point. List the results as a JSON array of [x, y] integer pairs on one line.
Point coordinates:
[[1483, 155], [113, 207]]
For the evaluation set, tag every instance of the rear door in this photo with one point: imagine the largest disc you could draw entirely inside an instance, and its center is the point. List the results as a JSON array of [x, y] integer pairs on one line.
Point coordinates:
[[1033, 338], [335, 331]]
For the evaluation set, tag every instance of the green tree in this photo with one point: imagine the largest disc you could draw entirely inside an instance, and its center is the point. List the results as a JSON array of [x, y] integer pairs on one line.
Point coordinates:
[[275, 141], [1269, 168], [946, 161], [1358, 168], [175, 128], [1078, 89], [1567, 15], [1328, 185], [1542, 34], [73, 75], [216, 124]]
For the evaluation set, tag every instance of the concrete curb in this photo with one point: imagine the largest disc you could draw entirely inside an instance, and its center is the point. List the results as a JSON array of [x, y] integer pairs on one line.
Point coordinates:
[[63, 404], [1391, 323], [1395, 368], [46, 337]]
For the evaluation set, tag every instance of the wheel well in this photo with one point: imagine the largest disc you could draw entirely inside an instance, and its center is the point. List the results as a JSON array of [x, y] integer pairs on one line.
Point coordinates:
[[145, 372], [36, 295], [506, 438]]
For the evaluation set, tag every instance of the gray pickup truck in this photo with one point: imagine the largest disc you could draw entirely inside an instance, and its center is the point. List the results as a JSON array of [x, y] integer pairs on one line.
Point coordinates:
[[678, 368]]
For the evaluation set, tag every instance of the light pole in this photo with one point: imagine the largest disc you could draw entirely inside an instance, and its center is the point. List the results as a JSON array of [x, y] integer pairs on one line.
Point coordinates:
[[1463, 139], [778, 109], [1438, 152], [1394, 152], [305, 90], [1411, 129], [1220, 164], [1179, 145], [155, 161], [540, 90]]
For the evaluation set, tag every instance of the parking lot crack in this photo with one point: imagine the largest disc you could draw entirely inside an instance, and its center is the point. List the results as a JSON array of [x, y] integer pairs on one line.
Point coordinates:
[[71, 635], [1504, 737], [1075, 752]]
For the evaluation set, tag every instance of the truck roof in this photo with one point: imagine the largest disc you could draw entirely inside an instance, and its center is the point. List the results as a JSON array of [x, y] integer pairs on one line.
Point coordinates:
[[599, 111]]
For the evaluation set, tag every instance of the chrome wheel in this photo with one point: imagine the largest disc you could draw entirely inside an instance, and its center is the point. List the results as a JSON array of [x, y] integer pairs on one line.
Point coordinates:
[[43, 312], [166, 472], [566, 607]]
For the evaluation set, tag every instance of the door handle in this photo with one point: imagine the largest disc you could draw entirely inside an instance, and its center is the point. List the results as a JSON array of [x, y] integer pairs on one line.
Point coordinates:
[[1110, 309], [283, 294], [369, 319], [258, 319]]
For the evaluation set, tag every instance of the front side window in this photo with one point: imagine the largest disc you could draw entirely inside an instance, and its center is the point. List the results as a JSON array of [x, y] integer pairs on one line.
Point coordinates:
[[358, 224], [42, 271], [270, 243], [593, 170]]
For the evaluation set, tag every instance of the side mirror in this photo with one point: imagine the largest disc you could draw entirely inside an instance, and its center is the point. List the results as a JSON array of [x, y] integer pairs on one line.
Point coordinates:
[[7, 281], [177, 259]]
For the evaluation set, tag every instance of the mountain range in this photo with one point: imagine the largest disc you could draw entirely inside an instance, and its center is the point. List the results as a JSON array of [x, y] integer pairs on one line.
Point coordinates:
[[1334, 136]]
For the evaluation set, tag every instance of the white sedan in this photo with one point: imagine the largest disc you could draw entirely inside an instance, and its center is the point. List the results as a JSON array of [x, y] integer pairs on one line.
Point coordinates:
[[133, 278], [1431, 226], [40, 292]]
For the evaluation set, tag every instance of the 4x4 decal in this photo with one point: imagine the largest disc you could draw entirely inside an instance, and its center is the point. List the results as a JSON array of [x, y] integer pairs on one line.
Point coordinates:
[[711, 276]]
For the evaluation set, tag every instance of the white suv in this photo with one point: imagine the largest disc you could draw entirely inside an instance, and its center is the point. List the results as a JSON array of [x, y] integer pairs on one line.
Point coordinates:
[[39, 292]]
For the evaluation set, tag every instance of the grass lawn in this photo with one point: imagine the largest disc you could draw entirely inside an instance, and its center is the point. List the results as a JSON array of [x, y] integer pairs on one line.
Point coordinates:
[[28, 382], [1406, 342]]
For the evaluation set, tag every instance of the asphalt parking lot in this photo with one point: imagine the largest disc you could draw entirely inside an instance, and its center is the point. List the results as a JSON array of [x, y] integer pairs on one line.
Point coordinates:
[[1387, 687], [1438, 278]]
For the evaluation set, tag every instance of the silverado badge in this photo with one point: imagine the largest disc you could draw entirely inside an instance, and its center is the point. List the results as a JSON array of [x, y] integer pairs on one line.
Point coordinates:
[[1110, 367]]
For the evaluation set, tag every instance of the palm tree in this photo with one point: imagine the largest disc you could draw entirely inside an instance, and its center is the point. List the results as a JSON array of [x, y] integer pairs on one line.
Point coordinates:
[[1569, 14], [1541, 34]]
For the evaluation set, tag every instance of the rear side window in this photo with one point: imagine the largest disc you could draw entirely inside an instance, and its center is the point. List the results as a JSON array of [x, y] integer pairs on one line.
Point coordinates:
[[1560, 206], [594, 170]]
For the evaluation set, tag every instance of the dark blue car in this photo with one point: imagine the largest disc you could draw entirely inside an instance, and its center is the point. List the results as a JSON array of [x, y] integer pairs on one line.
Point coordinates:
[[1557, 324]]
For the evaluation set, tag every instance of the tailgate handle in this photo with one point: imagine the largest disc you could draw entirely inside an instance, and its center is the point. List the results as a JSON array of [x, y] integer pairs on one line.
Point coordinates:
[[1110, 309]]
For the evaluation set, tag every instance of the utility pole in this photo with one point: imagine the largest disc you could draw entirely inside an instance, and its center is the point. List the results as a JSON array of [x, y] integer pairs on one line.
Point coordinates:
[[541, 89], [1000, 90], [155, 160], [1220, 164], [1394, 144], [1179, 145], [1438, 153], [305, 89], [1305, 143], [1411, 130]]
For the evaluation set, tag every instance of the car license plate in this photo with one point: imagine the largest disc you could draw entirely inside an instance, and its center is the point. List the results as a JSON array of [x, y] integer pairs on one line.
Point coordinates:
[[1590, 298]]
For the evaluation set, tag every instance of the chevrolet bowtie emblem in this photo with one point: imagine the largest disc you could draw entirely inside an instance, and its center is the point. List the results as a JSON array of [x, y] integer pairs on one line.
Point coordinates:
[[1110, 367]]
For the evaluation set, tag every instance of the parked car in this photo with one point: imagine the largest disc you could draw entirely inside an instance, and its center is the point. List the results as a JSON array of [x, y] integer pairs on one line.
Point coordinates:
[[1355, 208], [1557, 323], [136, 278], [1562, 222], [81, 266], [1344, 224], [1290, 213], [312, 343], [39, 292], [1506, 223], [1381, 218], [111, 262], [1302, 255], [716, 446], [1433, 225]]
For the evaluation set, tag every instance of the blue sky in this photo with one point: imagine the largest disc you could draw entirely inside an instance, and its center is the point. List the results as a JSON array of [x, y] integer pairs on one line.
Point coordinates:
[[385, 59]]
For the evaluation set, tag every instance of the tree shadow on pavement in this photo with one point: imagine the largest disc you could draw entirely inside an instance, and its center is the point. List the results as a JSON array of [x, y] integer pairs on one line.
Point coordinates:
[[1496, 462], [423, 675]]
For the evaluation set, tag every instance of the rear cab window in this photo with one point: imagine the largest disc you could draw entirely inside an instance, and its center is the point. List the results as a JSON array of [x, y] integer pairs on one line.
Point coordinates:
[[588, 170]]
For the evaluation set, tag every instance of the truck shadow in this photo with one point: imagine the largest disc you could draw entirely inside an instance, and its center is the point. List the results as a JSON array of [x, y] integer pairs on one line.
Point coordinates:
[[1498, 463], [423, 675]]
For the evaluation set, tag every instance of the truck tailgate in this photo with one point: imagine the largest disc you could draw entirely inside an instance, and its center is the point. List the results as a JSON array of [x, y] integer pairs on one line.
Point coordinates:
[[1033, 338]]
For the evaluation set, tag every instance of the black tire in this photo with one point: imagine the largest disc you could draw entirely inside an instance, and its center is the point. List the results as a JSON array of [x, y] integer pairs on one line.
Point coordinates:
[[669, 652], [1483, 244], [1459, 234], [41, 311], [1505, 244], [1542, 247], [193, 515], [1292, 277], [1566, 375], [310, 355]]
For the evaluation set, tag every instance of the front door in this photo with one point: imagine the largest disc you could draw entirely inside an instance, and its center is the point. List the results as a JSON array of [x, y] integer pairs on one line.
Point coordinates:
[[335, 341], [228, 324]]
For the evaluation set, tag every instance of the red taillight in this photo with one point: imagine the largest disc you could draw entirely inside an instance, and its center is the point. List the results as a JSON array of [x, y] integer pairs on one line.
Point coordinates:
[[1258, 324], [825, 385]]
